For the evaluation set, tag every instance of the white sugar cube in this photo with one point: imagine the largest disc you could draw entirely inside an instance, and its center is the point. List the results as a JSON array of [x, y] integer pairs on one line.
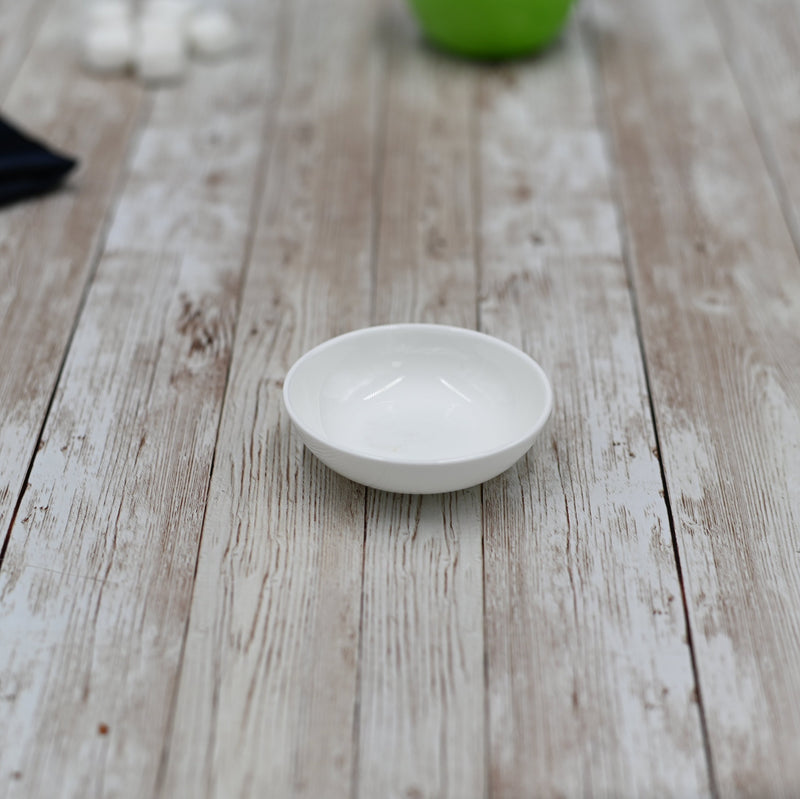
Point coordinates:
[[212, 33], [160, 52], [176, 12], [108, 47], [105, 12]]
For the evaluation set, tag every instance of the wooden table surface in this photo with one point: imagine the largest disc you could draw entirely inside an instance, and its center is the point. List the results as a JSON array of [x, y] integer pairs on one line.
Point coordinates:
[[191, 605]]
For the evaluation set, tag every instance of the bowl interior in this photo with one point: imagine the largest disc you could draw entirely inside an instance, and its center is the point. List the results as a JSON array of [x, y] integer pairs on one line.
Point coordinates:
[[417, 393]]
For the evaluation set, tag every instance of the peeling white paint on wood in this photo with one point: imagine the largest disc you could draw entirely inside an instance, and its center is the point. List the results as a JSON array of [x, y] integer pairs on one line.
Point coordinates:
[[724, 389], [585, 628], [97, 578], [192, 605]]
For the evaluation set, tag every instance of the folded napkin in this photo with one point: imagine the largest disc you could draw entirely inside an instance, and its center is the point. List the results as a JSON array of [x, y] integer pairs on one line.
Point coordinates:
[[27, 167]]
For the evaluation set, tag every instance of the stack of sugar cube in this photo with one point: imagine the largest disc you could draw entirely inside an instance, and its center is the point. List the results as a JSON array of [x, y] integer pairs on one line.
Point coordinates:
[[155, 42]]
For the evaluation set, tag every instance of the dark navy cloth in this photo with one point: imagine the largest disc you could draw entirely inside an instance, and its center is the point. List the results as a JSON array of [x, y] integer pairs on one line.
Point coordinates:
[[28, 167]]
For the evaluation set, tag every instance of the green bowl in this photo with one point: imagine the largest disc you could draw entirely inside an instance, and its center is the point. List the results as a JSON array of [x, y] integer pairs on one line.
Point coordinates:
[[491, 28]]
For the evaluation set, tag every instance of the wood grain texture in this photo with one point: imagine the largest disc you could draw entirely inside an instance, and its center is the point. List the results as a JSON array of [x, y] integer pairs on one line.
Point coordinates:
[[762, 43], [268, 689], [718, 288], [422, 725], [590, 684], [425, 271], [19, 24], [97, 578], [526, 638], [48, 248]]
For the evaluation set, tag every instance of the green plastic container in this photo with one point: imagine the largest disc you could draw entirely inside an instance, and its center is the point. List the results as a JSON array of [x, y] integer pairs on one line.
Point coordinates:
[[491, 28]]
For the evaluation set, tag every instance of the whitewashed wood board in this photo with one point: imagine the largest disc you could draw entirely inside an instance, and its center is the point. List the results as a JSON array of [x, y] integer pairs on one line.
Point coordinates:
[[524, 638], [421, 701], [19, 24], [97, 578], [267, 697], [590, 683], [762, 43], [49, 247], [718, 288]]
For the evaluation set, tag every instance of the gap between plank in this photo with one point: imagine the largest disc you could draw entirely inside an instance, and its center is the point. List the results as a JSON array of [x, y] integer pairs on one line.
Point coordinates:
[[356, 732], [95, 258], [381, 114], [259, 190], [475, 166], [603, 126]]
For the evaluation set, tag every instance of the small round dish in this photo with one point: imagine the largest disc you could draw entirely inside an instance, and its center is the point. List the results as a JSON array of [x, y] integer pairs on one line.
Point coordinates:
[[417, 408]]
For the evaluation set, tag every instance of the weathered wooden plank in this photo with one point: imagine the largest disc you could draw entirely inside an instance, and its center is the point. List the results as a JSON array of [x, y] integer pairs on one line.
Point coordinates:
[[762, 42], [48, 247], [267, 693], [718, 288], [422, 721], [590, 684], [425, 270], [97, 579], [19, 24]]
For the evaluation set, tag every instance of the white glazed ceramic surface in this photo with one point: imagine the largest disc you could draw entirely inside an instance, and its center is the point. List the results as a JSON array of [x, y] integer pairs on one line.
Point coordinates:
[[417, 408]]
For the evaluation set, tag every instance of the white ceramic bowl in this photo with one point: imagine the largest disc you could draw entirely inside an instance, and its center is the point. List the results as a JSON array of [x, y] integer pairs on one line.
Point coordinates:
[[417, 408]]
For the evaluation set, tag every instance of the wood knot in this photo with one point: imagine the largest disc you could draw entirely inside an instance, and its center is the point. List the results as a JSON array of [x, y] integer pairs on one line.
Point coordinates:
[[522, 193], [200, 325], [435, 244], [214, 179]]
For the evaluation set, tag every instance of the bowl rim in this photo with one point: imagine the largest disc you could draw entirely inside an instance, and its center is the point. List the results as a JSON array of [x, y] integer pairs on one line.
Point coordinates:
[[528, 435]]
